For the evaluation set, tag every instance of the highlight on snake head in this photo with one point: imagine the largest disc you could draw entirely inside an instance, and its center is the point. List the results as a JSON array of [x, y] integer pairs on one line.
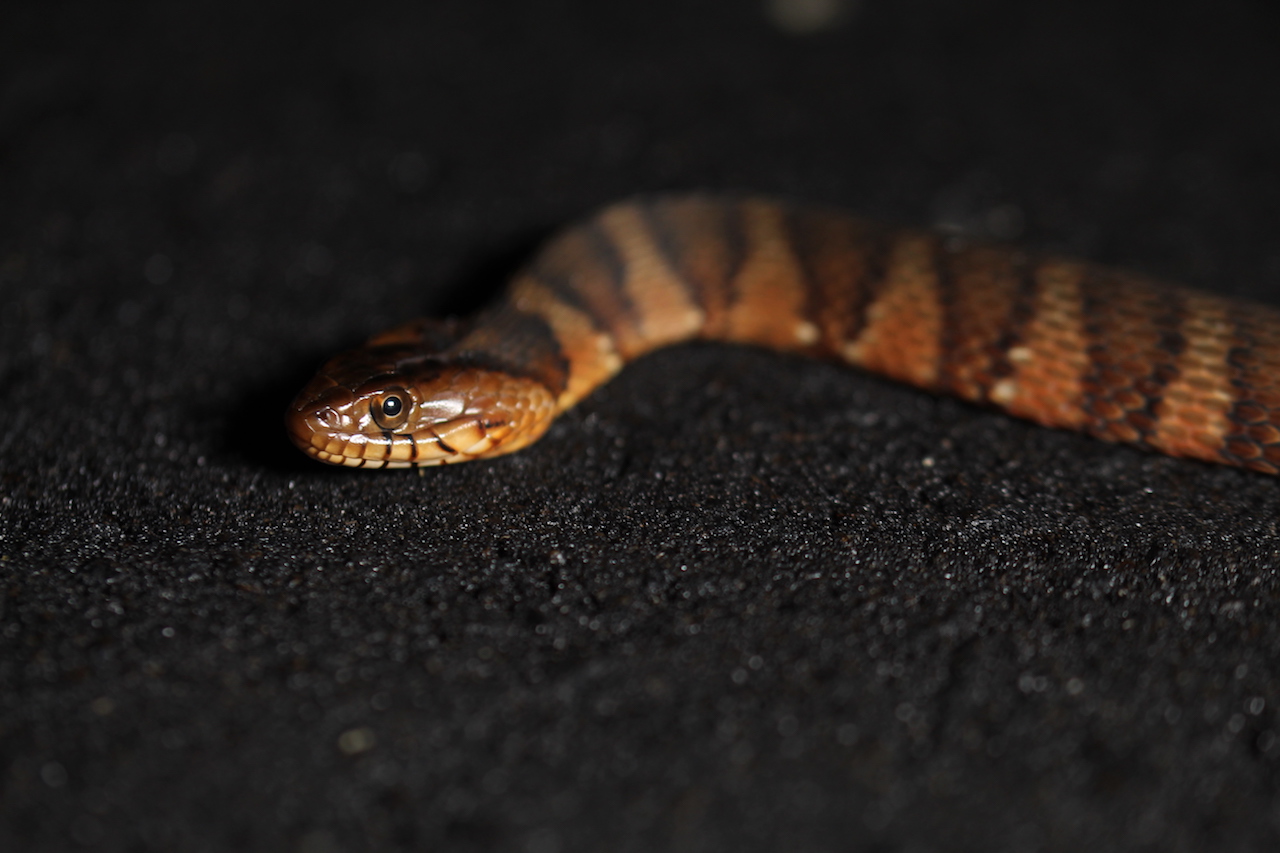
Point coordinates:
[[390, 407]]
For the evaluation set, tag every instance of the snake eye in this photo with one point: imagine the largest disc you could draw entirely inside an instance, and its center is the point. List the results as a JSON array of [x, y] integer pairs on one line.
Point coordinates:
[[390, 409]]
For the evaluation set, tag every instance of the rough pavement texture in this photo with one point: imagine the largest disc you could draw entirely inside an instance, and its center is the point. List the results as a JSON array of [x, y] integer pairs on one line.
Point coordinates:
[[733, 602]]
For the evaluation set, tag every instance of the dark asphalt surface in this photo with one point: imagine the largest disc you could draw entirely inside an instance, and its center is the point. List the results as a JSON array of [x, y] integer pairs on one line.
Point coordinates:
[[735, 601]]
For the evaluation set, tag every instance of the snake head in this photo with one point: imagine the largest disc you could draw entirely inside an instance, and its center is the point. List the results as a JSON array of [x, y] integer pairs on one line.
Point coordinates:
[[389, 406]]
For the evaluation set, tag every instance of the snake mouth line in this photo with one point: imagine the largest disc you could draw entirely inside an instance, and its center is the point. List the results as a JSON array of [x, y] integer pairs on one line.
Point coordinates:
[[335, 451], [368, 462]]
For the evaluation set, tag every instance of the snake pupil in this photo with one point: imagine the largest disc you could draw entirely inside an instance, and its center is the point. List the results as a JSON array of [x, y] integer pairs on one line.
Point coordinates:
[[391, 407]]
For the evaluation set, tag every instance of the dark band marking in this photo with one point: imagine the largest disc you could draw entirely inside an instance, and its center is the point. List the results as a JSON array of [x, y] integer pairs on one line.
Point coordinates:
[[952, 340], [1167, 317], [955, 368], [1238, 447], [413, 446], [704, 243], [987, 298], [1095, 397], [805, 236], [738, 242], [390, 439], [1022, 310], [519, 344], [560, 285], [584, 270], [874, 273], [443, 444], [735, 240], [844, 261], [1128, 375], [605, 253], [665, 236]]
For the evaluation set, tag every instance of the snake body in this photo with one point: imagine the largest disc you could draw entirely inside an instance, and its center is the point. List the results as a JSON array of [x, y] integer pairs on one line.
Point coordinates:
[[1061, 342]]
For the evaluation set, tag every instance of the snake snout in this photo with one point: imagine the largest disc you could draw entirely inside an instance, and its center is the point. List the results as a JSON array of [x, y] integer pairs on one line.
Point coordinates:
[[323, 433], [304, 427]]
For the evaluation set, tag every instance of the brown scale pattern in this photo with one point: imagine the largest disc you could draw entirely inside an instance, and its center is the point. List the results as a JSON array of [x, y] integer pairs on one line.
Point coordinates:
[[1252, 434], [1134, 342], [986, 304], [1063, 343]]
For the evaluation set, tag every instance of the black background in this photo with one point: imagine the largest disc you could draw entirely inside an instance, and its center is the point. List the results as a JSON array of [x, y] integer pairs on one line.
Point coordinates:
[[734, 601]]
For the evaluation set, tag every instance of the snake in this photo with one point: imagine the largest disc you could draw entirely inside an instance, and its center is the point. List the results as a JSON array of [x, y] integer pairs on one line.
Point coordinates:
[[1065, 343]]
